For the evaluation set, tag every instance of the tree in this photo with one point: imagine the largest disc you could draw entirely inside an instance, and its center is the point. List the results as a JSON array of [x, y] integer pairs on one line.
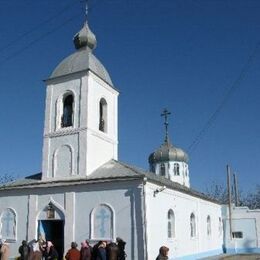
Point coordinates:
[[6, 178], [249, 199], [252, 199], [218, 192]]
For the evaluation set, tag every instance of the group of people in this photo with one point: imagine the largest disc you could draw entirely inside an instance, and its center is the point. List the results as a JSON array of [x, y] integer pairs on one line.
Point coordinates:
[[45, 250], [103, 250], [37, 250]]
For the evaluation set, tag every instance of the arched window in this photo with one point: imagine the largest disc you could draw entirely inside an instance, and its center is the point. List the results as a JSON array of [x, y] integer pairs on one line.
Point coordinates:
[[103, 115], [8, 225], [192, 225], [102, 223], [67, 115], [208, 226], [220, 229], [186, 170], [176, 169], [162, 169], [171, 224]]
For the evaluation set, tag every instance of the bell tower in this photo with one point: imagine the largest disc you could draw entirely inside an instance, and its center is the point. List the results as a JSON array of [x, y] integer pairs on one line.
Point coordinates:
[[81, 118]]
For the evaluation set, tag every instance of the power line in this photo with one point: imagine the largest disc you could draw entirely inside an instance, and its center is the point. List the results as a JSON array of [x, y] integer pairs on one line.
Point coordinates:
[[7, 45], [223, 102], [16, 53]]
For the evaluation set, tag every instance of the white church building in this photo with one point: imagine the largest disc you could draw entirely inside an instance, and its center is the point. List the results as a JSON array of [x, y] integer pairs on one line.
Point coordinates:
[[84, 192]]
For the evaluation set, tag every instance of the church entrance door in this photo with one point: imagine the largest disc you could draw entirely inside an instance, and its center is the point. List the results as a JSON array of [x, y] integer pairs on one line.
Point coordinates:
[[53, 230]]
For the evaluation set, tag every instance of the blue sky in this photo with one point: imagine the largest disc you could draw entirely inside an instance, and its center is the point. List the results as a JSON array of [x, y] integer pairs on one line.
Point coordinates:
[[182, 55]]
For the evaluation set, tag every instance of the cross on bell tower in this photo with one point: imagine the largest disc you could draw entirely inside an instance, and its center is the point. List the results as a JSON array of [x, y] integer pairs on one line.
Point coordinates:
[[86, 9], [165, 114]]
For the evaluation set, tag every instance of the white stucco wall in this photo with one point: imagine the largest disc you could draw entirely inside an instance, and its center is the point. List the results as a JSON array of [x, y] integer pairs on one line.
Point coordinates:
[[18, 203], [245, 221], [82, 146], [182, 205], [75, 204]]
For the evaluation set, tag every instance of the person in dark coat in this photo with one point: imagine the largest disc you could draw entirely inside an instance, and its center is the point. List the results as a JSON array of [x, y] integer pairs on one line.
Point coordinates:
[[101, 251], [112, 251], [73, 253], [24, 250], [163, 253], [51, 253], [95, 250], [121, 248], [85, 251]]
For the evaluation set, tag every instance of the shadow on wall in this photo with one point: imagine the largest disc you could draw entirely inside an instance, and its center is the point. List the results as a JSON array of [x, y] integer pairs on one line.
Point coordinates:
[[135, 201], [250, 246]]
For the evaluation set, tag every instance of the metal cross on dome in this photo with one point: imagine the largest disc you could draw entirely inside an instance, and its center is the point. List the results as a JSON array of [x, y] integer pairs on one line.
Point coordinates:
[[86, 7], [165, 114]]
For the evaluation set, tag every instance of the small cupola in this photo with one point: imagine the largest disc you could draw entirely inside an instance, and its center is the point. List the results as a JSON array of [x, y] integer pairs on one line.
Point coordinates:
[[83, 58], [170, 161], [85, 38], [167, 152]]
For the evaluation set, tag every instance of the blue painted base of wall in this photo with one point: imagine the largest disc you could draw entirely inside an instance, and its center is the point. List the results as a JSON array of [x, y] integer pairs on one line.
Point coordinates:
[[218, 252], [242, 250], [200, 255]]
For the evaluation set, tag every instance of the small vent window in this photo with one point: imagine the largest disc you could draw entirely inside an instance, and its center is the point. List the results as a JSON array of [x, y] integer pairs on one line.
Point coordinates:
[[237, 234], [186, 170], [162, 169], [176, 169]]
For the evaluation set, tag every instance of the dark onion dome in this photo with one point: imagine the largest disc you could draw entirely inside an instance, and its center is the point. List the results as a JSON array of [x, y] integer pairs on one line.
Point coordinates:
[[167, 152], [83, 59]]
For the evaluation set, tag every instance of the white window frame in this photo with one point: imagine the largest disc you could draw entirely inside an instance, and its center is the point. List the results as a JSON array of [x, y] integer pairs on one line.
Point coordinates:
[[171, 232], [9, 239], [193, 231]]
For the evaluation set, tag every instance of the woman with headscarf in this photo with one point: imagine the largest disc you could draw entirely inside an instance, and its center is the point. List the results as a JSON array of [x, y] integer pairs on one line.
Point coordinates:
[[85, 251], [51, 253], [163, 253], [36, 253]]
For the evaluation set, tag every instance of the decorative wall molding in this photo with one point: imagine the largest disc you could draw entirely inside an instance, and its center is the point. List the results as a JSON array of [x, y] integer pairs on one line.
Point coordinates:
[[65, 131], [72, 131]]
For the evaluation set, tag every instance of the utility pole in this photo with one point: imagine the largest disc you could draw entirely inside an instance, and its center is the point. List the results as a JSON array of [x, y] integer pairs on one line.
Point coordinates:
[[236, 190], [229, 201]]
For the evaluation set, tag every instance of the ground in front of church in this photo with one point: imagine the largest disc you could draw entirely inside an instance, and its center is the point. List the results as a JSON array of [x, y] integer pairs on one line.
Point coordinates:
[[235, 257]]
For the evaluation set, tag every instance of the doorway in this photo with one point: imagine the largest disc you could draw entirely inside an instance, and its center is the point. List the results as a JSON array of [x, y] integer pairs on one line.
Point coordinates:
[[53, 230]]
